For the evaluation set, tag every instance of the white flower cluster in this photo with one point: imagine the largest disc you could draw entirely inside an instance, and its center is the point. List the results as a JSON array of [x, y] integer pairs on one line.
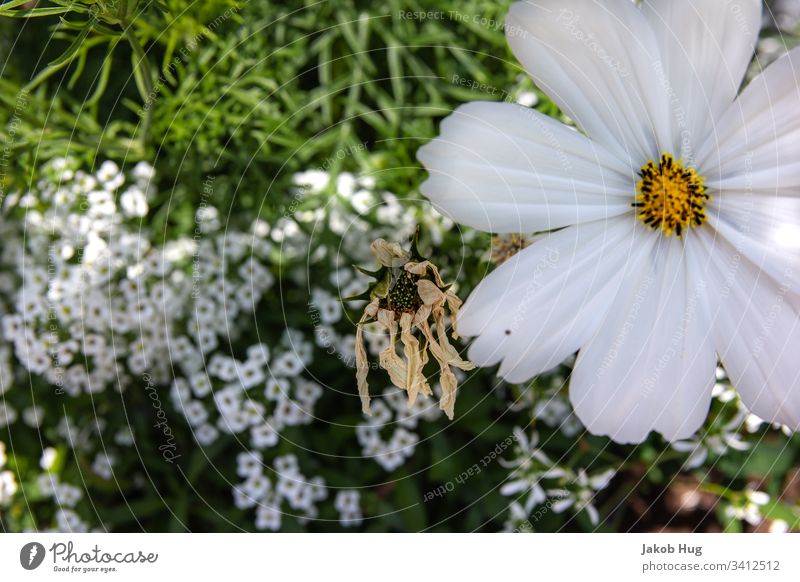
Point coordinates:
[[267, 494], [64, 495], [548, 486], [748, 507], [392, 414], [348, 505], [8, 482], [232, 396], [89, 302], [88, 278], [725, 431], [554, 410]]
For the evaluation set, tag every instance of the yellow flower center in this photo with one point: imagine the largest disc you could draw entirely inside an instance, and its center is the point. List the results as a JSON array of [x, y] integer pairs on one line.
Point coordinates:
[[670, 196]]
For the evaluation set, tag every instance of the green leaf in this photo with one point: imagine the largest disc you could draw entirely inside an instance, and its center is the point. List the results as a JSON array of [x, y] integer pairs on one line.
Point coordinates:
[[7, 6], [73, 49]]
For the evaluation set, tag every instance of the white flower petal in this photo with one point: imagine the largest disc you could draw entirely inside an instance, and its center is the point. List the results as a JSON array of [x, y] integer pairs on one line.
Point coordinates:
[[562, 505], [595, 60], [594, 515], [602, 480], [684, 446], [706, 47], [696, 459], [765, 229], [514, 487], [537, 497], [538, 307], [504, 168], [756, 141], [756, 326], [651, 364]]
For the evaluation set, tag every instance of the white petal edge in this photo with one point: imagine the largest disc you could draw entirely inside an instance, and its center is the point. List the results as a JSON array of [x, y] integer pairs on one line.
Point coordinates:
[[706, 47], [595, 60], [755, 144], [651, 364], [756, 326], [501, 167], [539, 307], [765, 229]]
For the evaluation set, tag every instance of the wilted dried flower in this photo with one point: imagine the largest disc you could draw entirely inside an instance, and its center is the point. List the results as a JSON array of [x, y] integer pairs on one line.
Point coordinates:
[[409, 295], [505, 246]]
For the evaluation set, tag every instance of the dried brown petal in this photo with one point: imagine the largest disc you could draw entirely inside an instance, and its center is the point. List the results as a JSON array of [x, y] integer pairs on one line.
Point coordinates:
[[449, 388], [505, 246], [362, 367], [421, 269], [389, 254], [423, 313], [453, 359], [385, 318], [453, 304], [429, 292], [391, 362], [414, 375]]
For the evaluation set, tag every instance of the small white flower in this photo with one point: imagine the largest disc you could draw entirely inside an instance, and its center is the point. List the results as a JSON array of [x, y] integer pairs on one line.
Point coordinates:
[[778, 526], [228, 400], [103, 465], [7, 414], [389, 459], [242, 499], [207, 218], [47, 483], [312, 180], [258, 353], [330, 310], [67, 495], [234, 421], [403, 441], [256, 485], [108, 171], [347, 500], [264, 436], [760, 498], [67, 520], [317, 488], [249, 463], [528, 99], [143, 172], [196, 413], [286, 465], [276, 389], [381, 414], [307, 392], [268, 517], [134, 203], [33, 416], [206, 434], [362, 201], [288, 364]]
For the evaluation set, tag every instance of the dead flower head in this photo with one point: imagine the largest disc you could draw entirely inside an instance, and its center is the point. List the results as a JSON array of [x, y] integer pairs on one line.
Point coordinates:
[[407, 297], [505, 246]]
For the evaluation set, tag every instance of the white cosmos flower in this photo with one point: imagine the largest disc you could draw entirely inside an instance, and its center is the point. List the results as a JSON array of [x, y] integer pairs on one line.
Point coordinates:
[[654, 91]]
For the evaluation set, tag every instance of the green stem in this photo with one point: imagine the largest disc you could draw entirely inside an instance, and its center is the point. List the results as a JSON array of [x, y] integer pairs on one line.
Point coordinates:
[[147, 77]]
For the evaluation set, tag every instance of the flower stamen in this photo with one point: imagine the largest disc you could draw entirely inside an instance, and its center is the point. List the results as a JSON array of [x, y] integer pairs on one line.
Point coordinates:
[[670, 196]]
